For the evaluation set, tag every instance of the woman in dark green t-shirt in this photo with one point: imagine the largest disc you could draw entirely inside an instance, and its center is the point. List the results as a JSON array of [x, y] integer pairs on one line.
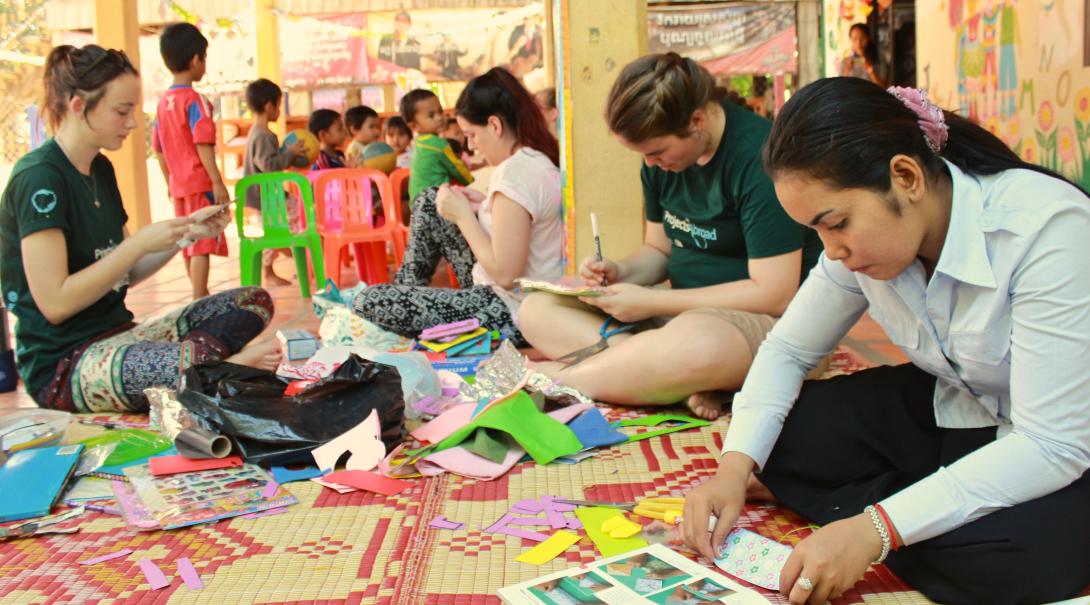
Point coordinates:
[[714, 229], [67, 260]]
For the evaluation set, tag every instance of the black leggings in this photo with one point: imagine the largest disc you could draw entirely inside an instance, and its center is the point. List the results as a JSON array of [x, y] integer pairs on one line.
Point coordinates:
[[853, 440]]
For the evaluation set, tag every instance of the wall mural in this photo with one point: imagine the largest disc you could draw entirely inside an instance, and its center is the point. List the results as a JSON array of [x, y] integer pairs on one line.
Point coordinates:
[[1016, 67]]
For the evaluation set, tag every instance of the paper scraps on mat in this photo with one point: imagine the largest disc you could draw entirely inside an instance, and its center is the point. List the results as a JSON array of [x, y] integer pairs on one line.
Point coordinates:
[[593, 518], [282, 474], [340, 489], [155, 576], [114, 555], [270, 489], [656, 419], [504, 525], [593, 430], [549, 549], [189, 574], [363, 442], [620, 527], [442, 522], [170, 465], [372, 482], [270, 512], [754, 558]]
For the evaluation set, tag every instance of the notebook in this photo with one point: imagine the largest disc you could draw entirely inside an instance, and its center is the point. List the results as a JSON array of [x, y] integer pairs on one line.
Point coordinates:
[[32, 480]]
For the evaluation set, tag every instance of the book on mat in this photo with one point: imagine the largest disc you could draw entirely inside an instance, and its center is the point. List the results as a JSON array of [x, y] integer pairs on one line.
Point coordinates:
[[652, 575], [32, 480]]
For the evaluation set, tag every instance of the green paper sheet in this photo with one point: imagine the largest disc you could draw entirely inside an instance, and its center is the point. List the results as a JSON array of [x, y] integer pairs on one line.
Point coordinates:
[[487, 445], [543, 437], [657, 419], [593, 518]]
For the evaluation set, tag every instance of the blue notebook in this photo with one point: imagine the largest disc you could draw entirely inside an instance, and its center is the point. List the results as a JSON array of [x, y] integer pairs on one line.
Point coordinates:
[[32, 480]]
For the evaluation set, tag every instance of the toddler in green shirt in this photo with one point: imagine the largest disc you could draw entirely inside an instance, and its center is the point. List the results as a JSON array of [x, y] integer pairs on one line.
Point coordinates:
[[434, 163]]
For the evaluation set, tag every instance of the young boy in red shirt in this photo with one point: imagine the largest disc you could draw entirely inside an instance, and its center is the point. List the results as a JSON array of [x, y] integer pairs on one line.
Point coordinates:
[[184, 140]]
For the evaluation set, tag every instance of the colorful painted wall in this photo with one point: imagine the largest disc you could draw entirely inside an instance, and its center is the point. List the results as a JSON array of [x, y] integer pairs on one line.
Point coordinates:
[[1017, 67], [837, 17]]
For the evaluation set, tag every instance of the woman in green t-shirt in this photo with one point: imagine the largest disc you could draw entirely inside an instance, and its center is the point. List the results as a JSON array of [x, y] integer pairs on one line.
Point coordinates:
[[67, 259], [714, 229]]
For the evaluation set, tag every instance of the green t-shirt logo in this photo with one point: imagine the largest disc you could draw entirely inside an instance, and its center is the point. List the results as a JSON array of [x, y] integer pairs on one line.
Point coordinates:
[[44, 201]]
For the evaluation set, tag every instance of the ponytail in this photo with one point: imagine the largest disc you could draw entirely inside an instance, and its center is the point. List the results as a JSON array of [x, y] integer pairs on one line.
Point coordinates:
[[844, 131], [71, 71], [498, 93]]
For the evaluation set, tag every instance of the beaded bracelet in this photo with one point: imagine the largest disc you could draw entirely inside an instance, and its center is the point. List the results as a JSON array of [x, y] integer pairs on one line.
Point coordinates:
[[894, 543], [882, 532]]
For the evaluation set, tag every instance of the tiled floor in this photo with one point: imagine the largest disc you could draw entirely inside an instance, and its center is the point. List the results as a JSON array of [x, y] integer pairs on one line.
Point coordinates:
[[170, 288]]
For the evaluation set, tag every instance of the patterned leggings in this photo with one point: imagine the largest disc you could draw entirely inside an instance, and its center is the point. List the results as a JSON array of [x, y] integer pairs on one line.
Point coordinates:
[[409, 306], [111, 373]]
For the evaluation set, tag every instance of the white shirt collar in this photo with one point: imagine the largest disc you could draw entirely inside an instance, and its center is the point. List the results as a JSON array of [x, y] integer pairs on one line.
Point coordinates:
[[964, 254]]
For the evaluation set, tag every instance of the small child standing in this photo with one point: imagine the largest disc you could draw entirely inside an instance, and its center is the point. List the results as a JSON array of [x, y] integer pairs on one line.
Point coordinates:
[[263, 154], [184, 140], [363, 128], [326, 125], [400, 137], [434, 162]]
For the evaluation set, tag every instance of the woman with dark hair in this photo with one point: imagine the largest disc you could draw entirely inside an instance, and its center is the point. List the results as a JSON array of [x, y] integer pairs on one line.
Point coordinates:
[[713, 228], [862, 62], [67, 259], [516, 229], [966, 466]]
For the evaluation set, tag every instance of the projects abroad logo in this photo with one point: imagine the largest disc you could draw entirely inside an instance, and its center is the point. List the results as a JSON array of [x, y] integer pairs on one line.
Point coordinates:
[[700, 235]]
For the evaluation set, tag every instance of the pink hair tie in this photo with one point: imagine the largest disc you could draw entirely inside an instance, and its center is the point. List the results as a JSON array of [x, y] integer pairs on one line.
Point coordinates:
[[931, 119]]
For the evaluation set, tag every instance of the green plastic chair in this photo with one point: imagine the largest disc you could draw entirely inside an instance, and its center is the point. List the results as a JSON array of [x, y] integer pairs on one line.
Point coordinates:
[[277, 231]]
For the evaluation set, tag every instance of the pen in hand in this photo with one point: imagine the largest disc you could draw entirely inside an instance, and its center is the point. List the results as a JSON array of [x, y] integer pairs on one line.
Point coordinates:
[[597, 243]]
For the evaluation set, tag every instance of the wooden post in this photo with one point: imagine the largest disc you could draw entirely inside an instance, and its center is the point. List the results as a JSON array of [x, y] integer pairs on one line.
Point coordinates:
[[116, 26], [599, 38]]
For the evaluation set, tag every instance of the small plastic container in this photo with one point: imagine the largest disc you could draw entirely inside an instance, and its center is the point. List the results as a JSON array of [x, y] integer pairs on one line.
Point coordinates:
[[29, 428]]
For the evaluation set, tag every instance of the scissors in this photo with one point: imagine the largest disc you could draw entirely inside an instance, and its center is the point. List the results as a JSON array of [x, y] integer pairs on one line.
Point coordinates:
[[660, 507], [604, 334]]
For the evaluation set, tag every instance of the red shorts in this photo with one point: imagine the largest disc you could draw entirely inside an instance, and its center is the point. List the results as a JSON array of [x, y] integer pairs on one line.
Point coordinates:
[[184, 206]]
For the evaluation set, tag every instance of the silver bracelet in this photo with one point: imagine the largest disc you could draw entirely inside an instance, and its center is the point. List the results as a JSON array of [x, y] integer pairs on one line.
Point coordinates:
[[880, 527]]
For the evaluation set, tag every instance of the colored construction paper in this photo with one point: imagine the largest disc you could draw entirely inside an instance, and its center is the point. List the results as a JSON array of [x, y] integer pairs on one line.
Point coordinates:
[[530, 507], [121, 553], [363, 442], [153, 574], [593, 518], [365, 480], [445, 424], [593, 430], [440, 347], [189, 574], [170, 465], [543, 437], [270, 489], [487, 445], [340, 489], [442, 522], [657, 419], [283, 474], [270, 512], [549, 549], [620, 527], [504, 525]]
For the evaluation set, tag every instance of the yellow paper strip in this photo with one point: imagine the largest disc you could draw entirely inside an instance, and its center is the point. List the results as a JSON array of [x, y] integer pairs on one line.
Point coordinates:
[[439, 347], [549, 549]]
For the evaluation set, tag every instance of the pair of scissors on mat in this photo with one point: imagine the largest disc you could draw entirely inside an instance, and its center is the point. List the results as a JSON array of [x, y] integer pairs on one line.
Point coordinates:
[[662, 508], [604, 334]]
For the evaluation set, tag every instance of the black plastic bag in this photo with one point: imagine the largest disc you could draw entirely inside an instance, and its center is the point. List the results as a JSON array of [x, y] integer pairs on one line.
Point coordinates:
[[269, 427]]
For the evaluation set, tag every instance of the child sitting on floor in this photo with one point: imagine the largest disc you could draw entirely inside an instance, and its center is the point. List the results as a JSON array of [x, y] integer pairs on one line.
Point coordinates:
[[326, 125], [434, 162], [400, 137], [363, 128]]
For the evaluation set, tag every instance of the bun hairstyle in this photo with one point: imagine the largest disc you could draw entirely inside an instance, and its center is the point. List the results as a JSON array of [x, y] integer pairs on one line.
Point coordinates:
[[498, 93], [656, 96], [71, 71]]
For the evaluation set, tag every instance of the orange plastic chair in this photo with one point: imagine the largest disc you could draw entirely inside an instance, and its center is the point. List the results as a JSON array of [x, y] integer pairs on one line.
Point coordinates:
[[399, 181], [345, 217]]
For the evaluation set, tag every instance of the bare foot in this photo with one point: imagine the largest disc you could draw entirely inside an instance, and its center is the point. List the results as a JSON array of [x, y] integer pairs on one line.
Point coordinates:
[[707, 404], [263, 355], [273, 279], [757, 492]]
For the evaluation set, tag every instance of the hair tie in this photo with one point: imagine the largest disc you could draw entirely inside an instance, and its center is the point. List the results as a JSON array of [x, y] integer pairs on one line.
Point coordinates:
[[930, 116]]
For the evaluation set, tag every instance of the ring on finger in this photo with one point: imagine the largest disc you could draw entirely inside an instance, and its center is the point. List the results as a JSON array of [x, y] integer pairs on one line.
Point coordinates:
[[805, 583]]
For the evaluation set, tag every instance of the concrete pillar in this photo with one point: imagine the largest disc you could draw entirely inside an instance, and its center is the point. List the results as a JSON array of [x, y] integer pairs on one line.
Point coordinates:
[[267, 36], [116, 26], [599, 38]]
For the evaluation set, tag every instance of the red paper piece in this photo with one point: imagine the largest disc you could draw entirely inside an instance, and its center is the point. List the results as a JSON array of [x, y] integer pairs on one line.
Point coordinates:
[[372, 482], [169, 465]]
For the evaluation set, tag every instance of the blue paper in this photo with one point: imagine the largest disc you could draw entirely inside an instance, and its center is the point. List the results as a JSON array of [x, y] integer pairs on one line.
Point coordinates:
[[283, 474], [592, 430], [471, 346]]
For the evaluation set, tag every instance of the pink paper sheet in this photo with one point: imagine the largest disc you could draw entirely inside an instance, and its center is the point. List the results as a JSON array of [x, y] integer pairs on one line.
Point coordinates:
[[270, 489], [504, 525], [442, 522], [189, 574], [155, 577], [103, 558], [446, 423]]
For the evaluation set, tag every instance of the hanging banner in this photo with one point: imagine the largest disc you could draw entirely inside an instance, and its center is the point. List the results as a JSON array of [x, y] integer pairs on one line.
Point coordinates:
[[732, 39], [326, 50]]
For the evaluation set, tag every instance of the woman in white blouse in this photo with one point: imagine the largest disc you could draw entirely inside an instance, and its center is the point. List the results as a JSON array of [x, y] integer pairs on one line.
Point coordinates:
[[966, 466]]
